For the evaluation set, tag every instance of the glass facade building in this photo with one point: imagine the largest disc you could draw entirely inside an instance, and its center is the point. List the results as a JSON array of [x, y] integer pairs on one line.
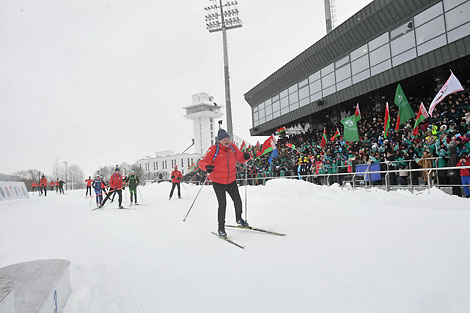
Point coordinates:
[[441, 24]]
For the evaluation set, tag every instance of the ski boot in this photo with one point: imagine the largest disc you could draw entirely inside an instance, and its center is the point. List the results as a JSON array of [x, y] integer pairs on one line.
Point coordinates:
[[242, 223], [222, 233]]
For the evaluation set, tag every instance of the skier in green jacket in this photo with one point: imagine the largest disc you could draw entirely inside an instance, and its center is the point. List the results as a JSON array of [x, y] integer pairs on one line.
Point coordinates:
[[133, 181]]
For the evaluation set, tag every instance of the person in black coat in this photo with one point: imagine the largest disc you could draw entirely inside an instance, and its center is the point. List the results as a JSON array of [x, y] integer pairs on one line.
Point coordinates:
[[454, 175]]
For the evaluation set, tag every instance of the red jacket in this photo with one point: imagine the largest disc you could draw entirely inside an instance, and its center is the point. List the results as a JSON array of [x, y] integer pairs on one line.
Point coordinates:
[[33, 184], [43, 182], [465, 171], [88, 182], [176, 176], [225, 163], [115, 181]]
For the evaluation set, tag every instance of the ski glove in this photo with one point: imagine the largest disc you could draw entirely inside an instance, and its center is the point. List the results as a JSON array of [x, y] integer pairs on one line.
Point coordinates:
[[246, 156], [209, 168]]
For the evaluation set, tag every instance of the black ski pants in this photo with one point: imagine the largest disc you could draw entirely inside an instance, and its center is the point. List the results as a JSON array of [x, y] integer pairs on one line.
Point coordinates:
[[173, 188], [232, 190], [88, 188], [112, 191]]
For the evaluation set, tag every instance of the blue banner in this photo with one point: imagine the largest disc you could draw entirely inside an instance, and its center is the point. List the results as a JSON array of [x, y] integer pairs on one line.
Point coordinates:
[[372, 167]]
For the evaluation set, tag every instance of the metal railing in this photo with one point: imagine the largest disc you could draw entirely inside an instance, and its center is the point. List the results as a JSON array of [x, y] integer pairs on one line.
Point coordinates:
[[366, 176]]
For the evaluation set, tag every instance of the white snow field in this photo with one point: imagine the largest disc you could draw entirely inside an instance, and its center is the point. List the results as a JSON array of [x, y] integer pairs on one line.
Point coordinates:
[[345, 250]]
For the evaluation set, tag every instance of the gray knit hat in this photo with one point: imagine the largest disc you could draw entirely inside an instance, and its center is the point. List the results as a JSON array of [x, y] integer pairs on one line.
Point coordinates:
[[222, 134]]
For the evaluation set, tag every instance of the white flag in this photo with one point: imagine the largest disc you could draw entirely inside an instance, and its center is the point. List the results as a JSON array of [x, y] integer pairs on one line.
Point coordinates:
[[451, 86]]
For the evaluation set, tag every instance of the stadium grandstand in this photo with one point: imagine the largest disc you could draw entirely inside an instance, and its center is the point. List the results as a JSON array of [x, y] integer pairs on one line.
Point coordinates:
[[414, 43]]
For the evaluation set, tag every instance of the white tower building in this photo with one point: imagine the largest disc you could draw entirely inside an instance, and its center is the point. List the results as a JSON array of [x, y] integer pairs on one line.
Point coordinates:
[[205, 114]]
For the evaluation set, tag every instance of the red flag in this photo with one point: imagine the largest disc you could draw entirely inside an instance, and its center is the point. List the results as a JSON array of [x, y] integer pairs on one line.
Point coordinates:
[[268, 146], [386, 121], [242, 147], [335, 135], [357, 113], [421, 116], [281, 130], [397, 126], [323, 139]]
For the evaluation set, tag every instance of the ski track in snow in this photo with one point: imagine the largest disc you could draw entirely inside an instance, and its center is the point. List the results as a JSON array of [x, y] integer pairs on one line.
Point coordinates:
[[345, 251]]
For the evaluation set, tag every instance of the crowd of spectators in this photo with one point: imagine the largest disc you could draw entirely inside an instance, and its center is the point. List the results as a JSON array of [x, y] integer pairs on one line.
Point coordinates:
[[442, 141]]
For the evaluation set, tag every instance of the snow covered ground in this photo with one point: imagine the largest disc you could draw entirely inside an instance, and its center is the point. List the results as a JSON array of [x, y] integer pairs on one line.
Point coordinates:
[[345, 251]]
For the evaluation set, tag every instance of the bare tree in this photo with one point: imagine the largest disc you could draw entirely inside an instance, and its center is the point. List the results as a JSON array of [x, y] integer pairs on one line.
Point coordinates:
[[75, 177]]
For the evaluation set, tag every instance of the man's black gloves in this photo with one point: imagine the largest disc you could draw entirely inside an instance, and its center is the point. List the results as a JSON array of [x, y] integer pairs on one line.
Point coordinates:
[[209, 168], [246, 156]]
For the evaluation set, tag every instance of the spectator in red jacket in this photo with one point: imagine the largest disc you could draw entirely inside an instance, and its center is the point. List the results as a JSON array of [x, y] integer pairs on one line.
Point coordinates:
[[115, 185], [176, 178], [43, 184], [88, 182], [33, 185], [220, 162], [465, 174]]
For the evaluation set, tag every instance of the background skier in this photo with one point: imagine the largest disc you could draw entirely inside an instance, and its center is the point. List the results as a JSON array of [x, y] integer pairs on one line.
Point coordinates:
[[88, 182], [115, 184], [176, 178], [98, 186], [133, 181]]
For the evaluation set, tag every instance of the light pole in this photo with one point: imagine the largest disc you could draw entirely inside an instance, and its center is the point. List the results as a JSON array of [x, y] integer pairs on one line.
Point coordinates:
[[65, 165], [222, 16]]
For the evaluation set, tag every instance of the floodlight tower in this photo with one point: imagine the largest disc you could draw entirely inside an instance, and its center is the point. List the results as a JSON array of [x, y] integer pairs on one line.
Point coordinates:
[[330, 15], [222, 15]]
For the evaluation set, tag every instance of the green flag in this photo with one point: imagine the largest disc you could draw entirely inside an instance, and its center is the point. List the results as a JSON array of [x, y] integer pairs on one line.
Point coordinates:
[[350, 128], [405, 112]]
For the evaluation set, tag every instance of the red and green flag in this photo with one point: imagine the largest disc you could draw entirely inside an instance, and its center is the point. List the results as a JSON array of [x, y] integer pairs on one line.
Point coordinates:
[[257, 147], [386, 121], [243, 146], [268, 146], [421, 116], [357, 113], [281, 130], [335, 135], [323, 138], [192, 167]]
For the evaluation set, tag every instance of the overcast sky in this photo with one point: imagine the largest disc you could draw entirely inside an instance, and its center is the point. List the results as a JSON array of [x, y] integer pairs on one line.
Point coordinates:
[[99, 82]]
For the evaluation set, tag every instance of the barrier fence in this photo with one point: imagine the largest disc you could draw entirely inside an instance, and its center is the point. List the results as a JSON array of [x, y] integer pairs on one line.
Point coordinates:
[[366, 178]]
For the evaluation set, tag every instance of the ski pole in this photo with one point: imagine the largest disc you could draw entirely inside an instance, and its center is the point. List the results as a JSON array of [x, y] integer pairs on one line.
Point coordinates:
[[184, 220], [246, 190]]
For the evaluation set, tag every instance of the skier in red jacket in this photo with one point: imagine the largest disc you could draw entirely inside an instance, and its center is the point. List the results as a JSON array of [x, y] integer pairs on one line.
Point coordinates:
[[220, 162], [88, 182], [43, 184], [176, 178], [115, 185]]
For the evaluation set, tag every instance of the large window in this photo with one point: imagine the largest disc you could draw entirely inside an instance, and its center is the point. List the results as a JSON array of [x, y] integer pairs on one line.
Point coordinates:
[[379, 55], [430, 30], [403, 43], [360, 64]]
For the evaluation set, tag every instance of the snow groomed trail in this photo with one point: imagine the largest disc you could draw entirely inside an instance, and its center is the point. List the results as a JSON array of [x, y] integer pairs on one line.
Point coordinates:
[[345, 251]]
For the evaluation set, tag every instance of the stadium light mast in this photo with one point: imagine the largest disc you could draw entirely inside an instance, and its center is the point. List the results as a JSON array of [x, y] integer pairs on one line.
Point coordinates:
[[222, 16], [330, 15]]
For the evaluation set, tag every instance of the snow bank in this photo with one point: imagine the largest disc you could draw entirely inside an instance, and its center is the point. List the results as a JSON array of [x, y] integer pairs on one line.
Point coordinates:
[[346, 250]]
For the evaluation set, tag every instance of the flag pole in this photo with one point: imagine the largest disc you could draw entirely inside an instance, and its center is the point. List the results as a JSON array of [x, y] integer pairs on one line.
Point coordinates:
[[246, 190]]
